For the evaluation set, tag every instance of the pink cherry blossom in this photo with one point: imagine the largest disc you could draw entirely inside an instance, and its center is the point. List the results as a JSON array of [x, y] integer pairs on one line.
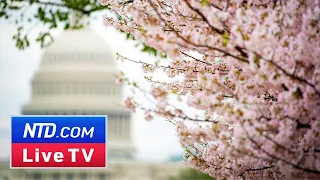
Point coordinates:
[[246, 73], [130, 104]]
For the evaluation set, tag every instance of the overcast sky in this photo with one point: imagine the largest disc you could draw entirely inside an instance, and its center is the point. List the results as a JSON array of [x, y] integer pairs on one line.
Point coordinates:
[[154, 141]]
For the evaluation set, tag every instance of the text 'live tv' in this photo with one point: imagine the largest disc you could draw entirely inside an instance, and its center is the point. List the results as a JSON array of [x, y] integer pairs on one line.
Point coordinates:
[[58, 141]]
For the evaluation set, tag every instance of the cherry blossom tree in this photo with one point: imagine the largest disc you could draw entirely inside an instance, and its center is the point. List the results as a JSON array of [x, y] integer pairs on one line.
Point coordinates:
[[248, 73]]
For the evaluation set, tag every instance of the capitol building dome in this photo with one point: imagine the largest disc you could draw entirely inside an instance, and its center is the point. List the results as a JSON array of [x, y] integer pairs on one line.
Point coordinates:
[[76, 78]]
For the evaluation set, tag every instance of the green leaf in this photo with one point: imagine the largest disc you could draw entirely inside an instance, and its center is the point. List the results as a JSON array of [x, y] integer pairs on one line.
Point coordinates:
[[45, 39], [67, 26], [27, 43], [2, 13], [214, 127], [21, 42], [204, 2], [224, 42]]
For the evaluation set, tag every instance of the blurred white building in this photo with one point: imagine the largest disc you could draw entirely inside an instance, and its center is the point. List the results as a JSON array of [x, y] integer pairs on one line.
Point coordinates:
[[76, 78]]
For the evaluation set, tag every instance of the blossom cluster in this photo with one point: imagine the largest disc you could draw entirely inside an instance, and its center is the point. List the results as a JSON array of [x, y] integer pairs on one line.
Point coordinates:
[[257, 69]]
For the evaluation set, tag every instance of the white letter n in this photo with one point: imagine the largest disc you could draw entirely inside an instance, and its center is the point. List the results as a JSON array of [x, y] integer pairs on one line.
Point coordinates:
[[27, 129]]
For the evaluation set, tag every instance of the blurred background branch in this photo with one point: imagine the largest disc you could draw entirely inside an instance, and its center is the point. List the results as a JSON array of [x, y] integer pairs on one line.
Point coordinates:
[[51, 15]]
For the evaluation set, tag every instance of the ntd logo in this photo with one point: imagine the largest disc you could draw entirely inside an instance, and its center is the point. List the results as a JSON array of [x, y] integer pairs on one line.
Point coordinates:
[[74, 132], [58, 141]]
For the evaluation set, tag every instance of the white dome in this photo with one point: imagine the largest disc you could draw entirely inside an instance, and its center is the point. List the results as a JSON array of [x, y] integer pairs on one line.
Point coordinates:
[[76, 77], [76, 74], [79, 41], [76, 49]]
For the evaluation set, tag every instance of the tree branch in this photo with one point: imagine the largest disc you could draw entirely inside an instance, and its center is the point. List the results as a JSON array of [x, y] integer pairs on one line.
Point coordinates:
[[219, 31], [278, 158]]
